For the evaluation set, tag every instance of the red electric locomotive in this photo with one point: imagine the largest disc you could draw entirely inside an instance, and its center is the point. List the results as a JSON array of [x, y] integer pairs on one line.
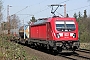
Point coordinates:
[[56, 33]]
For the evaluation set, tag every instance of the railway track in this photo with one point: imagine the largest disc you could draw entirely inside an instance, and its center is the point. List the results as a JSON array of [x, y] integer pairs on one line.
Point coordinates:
[[67, 57], [78, 55], [84, 50], [75, 56], [81, 54]]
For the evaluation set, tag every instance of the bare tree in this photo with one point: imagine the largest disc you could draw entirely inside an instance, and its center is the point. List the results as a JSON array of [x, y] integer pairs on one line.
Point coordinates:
[[1, 15], [14, 21]]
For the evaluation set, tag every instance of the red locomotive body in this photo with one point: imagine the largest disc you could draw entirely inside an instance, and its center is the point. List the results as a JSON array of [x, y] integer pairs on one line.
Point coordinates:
[[55, 33], [38, 32]]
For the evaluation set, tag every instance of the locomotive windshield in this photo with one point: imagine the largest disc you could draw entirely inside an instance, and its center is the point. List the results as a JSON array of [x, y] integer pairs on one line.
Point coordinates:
[[65, 25]]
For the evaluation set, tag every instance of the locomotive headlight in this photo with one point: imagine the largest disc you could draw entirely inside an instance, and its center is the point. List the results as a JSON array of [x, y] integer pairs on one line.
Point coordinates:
[[58, 35], [74, 35]]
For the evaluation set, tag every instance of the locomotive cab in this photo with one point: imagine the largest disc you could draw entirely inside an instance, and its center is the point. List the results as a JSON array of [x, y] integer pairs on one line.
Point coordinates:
[[65, 33]]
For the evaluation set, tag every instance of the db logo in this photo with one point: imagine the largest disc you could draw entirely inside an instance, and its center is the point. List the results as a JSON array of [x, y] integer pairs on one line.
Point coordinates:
[[66, 34]]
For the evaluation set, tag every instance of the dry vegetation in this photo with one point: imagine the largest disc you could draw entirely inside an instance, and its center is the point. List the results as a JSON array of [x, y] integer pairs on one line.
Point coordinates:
[[10, 50], [13, 51]]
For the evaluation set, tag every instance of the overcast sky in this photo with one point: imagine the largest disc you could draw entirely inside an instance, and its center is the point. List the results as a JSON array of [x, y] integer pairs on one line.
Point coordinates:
[[40, 9]]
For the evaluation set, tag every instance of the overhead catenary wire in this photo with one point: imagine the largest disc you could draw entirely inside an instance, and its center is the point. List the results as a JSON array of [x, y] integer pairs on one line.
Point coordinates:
[[3, 10], [36, 4], [64, 1], [22, 9], [58, 6], [34, 13], [49, 6], [24, 14], [64, 11], [29, 6], [78, 8], [60, 14], [28, 15], [41, 11]]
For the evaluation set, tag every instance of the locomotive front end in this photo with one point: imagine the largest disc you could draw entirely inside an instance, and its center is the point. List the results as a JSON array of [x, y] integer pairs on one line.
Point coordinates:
[[66, 34]]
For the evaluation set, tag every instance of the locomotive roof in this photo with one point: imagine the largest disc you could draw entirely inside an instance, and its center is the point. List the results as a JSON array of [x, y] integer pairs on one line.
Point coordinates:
[[44, 20], [40, 22]]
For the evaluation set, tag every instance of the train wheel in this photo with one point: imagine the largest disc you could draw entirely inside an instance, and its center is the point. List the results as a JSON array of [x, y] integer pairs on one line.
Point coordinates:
[[74, 48], [59, 49], [55, 52], [26, 43], [48, 47]]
